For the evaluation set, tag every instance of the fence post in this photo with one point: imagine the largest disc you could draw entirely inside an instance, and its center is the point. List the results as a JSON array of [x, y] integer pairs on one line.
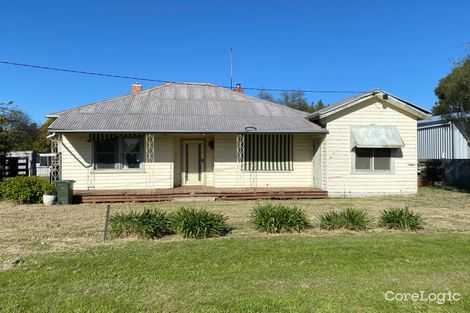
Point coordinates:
[[106, 224]]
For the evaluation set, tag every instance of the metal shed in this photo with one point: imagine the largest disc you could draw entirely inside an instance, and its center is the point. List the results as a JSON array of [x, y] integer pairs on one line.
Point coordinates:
[[441, 139]]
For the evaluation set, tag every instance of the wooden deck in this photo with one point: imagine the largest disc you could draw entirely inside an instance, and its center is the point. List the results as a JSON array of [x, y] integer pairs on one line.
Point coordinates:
[[201, 193]]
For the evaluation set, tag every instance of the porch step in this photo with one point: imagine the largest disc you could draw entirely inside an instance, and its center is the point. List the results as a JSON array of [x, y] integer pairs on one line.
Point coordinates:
[[129, 196]]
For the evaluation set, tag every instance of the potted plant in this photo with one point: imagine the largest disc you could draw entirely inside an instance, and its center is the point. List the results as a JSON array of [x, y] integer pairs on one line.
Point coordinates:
[[49, 192]]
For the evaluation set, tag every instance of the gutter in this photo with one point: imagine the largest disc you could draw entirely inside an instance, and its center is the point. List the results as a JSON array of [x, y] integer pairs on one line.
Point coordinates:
[[320, 131], [51, 136]]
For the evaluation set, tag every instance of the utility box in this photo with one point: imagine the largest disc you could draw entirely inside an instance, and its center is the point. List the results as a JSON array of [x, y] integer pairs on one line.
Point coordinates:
[[64, 191]]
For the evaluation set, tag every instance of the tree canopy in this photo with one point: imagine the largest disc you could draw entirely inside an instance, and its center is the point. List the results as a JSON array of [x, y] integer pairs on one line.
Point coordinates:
[[293, 99], [18, 132], [453, 93]]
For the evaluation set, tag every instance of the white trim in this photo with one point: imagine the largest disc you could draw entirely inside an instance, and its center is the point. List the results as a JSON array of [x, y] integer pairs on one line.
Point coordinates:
[[379, 95]]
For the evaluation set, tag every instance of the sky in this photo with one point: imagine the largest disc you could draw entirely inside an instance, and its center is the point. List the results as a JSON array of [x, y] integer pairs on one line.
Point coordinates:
[[403, 47]]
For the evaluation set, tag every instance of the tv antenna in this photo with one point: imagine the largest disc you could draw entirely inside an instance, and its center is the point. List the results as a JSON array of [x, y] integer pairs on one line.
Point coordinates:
[[230, 50]]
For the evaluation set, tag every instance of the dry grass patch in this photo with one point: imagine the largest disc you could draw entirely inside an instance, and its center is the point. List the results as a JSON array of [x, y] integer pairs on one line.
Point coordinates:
[[30, 229]]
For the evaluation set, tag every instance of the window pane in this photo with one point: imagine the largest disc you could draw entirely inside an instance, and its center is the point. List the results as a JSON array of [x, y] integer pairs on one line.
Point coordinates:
[[107, 145], [131, 145], [105, 153], [131, 152], [43, 161], [131, 160], [382, 159], [363, 159]]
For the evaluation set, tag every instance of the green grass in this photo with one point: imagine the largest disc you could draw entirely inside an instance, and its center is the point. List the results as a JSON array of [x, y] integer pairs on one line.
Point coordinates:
[[69, 268], [287, 273]]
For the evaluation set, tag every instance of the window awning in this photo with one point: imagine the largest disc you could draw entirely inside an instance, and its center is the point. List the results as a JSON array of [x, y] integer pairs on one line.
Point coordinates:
[[374, 136]]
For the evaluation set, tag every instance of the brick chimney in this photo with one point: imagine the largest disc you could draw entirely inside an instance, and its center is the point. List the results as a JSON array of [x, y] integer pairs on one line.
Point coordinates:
[[136, 88], [239, 89]]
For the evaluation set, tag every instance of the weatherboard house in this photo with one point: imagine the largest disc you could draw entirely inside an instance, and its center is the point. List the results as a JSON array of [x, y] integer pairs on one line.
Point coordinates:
[[212, 138]]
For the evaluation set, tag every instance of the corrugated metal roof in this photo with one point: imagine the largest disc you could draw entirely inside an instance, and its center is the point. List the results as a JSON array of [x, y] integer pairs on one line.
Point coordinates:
[[318, 114], [197, 108], [439, 119]]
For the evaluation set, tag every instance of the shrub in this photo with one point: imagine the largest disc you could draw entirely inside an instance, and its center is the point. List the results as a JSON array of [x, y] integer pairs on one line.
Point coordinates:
[[349, 218], [276, 218], [49, 189], [25, 189], [147, 224], [192, 223], [401, 218]]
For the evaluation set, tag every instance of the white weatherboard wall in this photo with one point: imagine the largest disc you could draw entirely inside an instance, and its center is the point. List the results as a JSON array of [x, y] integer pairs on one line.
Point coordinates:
[[76, 153], [228, 173], [338, 176]]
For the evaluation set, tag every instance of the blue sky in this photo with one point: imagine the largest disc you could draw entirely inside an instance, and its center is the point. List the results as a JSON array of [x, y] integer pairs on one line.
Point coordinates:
[[403, 47]]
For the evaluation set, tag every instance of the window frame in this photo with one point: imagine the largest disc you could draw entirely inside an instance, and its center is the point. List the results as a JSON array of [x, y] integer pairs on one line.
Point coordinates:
[[119, 155], [372, 169]]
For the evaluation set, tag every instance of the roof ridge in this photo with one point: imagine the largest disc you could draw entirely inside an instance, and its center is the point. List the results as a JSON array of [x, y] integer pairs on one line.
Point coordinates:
[[106, 100], [251, 98]]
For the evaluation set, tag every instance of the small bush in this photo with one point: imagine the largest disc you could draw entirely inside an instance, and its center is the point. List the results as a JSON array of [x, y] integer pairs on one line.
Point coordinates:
[[350, 218], [25, 189], [192, 223], [147, 224], [49, 189], [277, 218], [401, 218]]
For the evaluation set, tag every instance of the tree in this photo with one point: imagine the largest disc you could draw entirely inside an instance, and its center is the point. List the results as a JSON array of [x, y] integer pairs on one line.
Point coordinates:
[[7, 121], [319, 105], [453, 93], [41, 143], [18, 132], [266, 96], [293, 99]]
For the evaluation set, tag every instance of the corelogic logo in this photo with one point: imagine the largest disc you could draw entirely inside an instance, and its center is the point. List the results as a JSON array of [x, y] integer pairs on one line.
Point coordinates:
[[422, 296]]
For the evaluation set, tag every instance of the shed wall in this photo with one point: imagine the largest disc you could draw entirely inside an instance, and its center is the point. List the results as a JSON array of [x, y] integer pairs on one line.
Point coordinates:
[[441, 140]]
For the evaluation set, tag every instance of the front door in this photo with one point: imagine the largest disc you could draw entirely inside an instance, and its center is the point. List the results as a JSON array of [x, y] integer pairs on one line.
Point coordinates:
[[193, 163]]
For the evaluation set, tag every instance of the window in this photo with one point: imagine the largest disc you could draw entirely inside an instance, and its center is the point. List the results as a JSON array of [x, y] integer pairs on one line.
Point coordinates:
[[369, 159], [268, 152], [118, 153], [44, 160], [130, 152]]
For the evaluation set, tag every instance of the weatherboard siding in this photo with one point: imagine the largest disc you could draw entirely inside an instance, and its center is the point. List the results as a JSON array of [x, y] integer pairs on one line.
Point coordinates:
[[76, 153], [228, 173], [338, 176]]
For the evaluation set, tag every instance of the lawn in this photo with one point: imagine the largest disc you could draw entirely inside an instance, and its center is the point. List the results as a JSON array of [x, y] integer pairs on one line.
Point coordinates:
[[65, 265]]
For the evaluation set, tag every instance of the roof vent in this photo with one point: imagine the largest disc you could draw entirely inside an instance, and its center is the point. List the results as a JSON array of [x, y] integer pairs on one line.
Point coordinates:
[[136, 88]]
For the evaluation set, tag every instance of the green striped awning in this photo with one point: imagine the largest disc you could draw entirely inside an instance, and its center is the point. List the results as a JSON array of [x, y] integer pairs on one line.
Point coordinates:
[[268, 152]]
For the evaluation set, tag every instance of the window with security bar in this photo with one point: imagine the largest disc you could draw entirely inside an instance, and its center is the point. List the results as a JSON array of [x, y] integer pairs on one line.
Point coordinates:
[[268, 152]]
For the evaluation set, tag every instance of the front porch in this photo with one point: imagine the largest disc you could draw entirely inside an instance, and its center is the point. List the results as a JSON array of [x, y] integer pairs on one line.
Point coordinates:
[[197, 192]]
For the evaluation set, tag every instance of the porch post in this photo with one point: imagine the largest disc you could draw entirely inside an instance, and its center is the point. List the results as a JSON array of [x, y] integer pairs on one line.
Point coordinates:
[[149, 161], [55, 160], [240, 160]]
